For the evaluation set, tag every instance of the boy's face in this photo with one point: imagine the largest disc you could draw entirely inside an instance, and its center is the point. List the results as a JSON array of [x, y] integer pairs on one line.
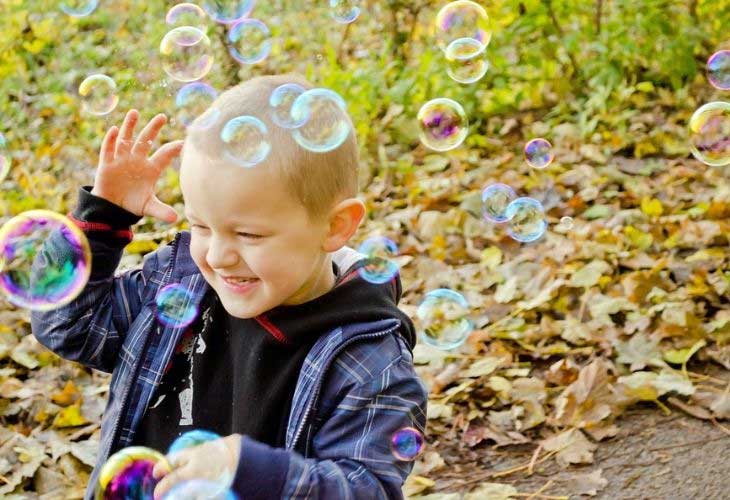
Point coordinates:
[[245, 224]]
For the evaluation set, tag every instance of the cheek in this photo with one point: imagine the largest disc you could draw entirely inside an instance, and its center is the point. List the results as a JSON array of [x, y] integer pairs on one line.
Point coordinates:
[[197, 252]]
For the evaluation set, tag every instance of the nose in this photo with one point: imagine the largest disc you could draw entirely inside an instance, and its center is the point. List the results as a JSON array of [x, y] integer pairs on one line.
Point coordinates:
[[221, 253]]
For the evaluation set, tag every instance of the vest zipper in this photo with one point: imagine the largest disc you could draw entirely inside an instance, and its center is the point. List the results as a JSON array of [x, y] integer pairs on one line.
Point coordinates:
[[318, 387]]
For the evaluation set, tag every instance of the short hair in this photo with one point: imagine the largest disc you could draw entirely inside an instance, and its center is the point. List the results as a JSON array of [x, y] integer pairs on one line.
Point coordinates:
[[318, 180]]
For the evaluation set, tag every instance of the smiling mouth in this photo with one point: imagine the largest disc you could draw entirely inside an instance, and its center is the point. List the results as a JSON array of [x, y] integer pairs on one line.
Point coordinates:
[[240, 284]]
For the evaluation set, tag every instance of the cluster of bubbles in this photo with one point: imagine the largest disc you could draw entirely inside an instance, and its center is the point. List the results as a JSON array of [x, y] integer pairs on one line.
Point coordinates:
[[463, 33], [709, 125], [175, 306], [128, 473], [525, 217], [316, 118], [45, 260]]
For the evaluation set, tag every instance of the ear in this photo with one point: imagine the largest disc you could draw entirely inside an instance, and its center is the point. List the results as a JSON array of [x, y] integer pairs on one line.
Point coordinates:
[[344, 220]]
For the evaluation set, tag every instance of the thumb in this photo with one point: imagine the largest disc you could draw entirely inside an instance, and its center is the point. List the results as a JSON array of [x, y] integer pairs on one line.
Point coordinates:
[[155, 208]]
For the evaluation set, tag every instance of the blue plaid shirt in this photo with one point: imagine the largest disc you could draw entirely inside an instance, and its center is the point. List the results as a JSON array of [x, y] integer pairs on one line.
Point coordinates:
[[357, 385]]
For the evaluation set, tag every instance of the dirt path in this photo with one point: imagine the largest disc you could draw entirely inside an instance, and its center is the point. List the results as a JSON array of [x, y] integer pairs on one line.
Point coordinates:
[[654, 456]]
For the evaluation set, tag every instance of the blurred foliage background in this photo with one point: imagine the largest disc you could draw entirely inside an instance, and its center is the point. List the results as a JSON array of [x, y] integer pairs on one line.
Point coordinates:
[[641, 282], [592, 63]]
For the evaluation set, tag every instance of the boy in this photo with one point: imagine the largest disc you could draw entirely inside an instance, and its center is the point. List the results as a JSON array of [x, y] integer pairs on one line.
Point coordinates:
[[304, 367]]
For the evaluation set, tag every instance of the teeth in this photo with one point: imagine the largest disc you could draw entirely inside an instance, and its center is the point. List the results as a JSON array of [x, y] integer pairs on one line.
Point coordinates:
[[238, 280]]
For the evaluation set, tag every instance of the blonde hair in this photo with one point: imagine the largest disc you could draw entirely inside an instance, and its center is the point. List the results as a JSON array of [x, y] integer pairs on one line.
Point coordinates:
[[318, 180]]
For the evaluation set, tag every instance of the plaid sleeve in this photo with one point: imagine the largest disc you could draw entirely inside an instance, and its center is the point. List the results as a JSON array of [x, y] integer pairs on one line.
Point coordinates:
[[91, 328], [351, 450]]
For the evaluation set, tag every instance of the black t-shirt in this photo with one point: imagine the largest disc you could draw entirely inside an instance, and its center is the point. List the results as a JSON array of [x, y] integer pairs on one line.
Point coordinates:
[[227, 375]]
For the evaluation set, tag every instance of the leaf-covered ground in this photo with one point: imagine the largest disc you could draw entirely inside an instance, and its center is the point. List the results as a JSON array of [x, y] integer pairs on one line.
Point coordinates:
[[601, 356]]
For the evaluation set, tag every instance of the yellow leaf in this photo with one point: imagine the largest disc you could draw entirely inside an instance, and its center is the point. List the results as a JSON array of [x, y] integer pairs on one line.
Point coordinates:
[[69, 395], [645, 86], [70, 416], [142, 246], [638, 238], [644, 148], [491, 257], [651, 206], [681, 356]]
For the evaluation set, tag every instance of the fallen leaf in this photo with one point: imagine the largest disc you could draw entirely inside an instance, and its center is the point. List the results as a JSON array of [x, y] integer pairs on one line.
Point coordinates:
[[572, 447]]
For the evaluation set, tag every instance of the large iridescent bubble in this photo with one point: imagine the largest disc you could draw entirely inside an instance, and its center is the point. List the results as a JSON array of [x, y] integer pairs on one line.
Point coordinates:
[[186, 54], [79, 8], [45, 260], [281, 101], [249, 41], [462, 19], [176, 307], [344, 11], [718, 70], [380, 266], [406, 444], [466, 62], [326, 125], [245, 141], [525, 219], [192, 100], [539, 153], [98, 94], [495, 199], [443, 319], [127, 475], [228, 11], [443, 124], [709, 134], [191, 439], [186, 14]]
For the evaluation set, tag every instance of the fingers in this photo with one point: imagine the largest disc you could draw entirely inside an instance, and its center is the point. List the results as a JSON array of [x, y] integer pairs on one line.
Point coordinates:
[[165, 154], [108, 145], [124, 141], [143, 145], [155, 208], [170, 480]]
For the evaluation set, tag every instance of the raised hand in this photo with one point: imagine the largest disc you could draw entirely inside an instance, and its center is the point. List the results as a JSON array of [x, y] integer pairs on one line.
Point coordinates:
[[127, 174]]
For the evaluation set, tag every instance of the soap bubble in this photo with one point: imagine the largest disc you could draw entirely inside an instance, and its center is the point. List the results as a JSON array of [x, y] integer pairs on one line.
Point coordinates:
[[98, 94], [443, 124], [566, 223], [443, 319], [495, 199], [326, 124], [175, 306], [462, 19], [191, 439], [281, 101], [192, 100], [466, 60], [128, 474], [709, 129], [539, 153], [379, 253], [228, 11], [199, 489], [344, 11], [718, 70], [249, 41], [79, 8], [4, 158], [45, 260], [245, 141], [186, 54], [186, 14], [526, 218], [406, 444]]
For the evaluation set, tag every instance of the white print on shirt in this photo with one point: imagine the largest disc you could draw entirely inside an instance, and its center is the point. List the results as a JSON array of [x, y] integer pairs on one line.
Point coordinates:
[[159, 400], [194, 345]]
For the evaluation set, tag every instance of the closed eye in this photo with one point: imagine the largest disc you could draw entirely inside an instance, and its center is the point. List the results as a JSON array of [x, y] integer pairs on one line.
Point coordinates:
[[251, 235]]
